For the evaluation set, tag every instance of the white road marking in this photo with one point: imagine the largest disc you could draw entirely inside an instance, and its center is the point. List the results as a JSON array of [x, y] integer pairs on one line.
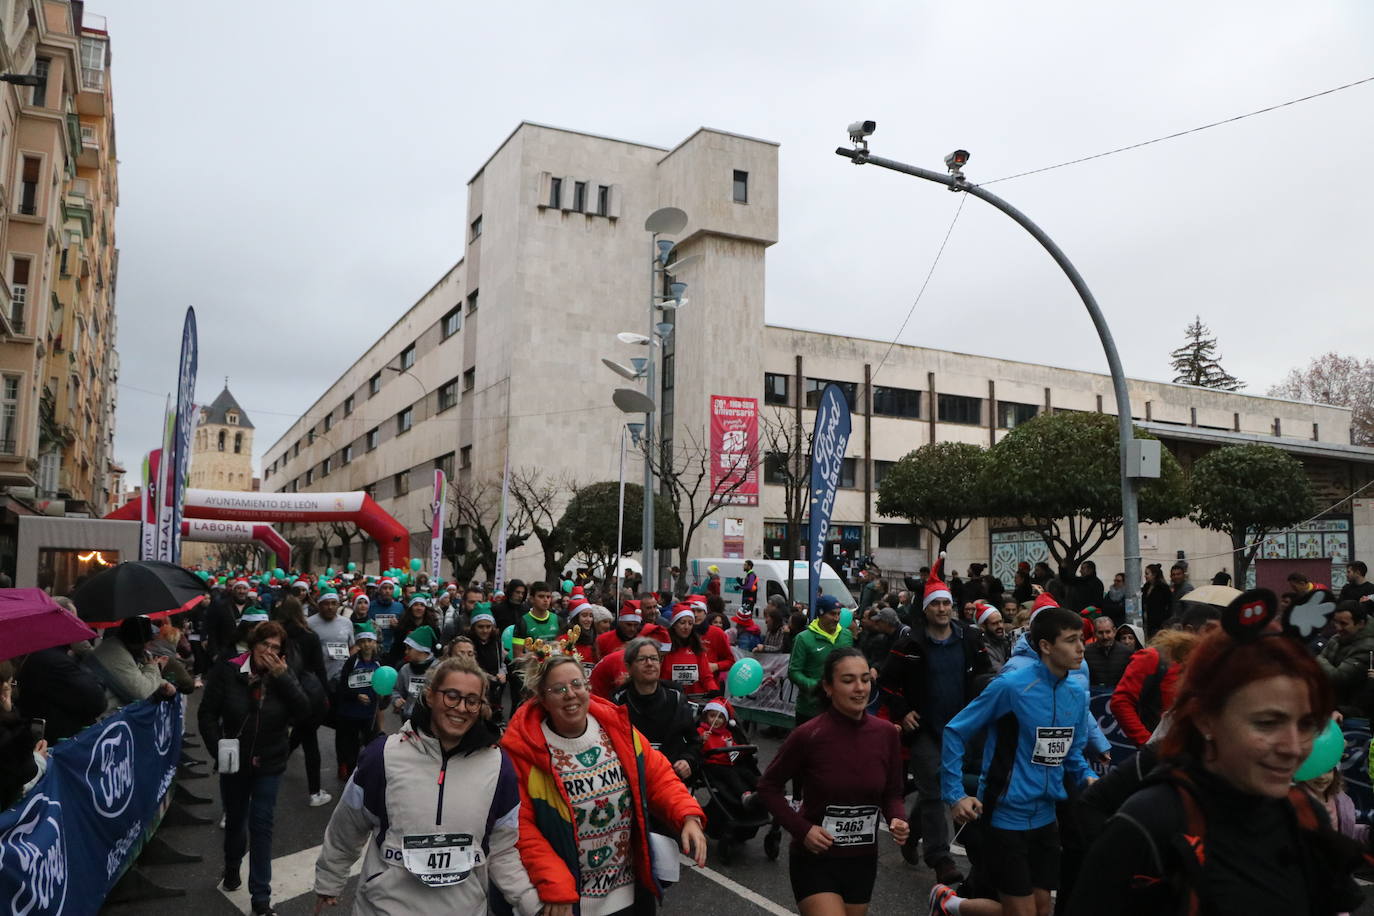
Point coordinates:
[[292, 875], [734, 887]]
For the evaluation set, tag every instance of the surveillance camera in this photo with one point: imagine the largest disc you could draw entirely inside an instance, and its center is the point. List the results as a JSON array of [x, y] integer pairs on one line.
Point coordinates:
[[956, 160], [861, 129]]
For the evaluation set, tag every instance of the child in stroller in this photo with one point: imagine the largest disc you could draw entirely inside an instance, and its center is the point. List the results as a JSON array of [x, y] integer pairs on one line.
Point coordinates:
[[730, 775]]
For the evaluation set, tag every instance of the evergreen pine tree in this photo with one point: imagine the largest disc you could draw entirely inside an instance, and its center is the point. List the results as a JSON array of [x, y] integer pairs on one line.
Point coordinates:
[[1197, 362]]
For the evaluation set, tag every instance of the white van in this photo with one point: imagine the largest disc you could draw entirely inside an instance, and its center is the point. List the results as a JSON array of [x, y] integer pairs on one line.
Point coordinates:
[[772, 580]]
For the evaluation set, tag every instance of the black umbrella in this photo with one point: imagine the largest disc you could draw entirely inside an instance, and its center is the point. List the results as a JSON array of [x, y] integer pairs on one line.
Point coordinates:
[[148, 587]]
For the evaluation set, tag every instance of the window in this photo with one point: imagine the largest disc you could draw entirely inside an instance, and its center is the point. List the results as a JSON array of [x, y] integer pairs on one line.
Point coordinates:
[[40, 92], [579, 196], [19, 293], [1011, 414], [556, 192], [448, 394], [92, 64], [231, 418], [741, 187], [880, 469], [896, 402], [899, 537], [445, 463], [374, 384], [346, 456], [371, 440], [348, 406], [472, 302], [957, 408], [238, 443], [296, 449], [476, 228], [848, 469], [28, 185], [452, 323], [603, 200], [775, 468], [9, 415], [469, 378], [401, 483], [408, 357], [775, 388], [465, 457], [325, 467], [310, 437], [309, 476], [814, 387], [221, 440], [328, 421], [404, 420]]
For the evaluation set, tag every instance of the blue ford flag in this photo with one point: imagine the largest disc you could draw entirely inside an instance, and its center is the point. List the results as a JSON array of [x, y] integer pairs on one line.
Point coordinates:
[[185, 421], [828, 443]]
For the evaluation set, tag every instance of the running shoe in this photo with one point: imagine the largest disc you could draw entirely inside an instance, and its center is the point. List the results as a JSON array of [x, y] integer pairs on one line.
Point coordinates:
[[947, 872], [232, 881], [320, 798], [940, 895]]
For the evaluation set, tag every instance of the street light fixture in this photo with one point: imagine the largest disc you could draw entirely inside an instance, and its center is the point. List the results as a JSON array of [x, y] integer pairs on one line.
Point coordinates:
[[859, 132], [622, 370]]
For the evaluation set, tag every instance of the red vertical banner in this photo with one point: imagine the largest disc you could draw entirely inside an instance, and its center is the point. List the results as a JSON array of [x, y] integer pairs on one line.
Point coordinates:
[[734, 450]]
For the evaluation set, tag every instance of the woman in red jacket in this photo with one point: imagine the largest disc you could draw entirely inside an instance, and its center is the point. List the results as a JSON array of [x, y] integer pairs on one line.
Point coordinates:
[[687, 663], [589, 783]]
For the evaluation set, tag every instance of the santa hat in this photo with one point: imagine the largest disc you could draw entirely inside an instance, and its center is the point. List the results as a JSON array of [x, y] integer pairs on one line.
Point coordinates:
[[683, 610], [361, 599], [301, 583], [575, 602], [935, 586], [984, 612], [1042, 601], [629, 610], [386, 581], [697, 601], [237, 582], [717, 706]]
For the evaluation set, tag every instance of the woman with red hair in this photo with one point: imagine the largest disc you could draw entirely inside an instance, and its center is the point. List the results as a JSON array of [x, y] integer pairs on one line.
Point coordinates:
[[1218, 826]]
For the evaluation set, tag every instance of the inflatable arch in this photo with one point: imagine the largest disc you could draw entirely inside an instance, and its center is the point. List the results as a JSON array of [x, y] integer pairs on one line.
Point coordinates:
[[217, 532], [247, 506]]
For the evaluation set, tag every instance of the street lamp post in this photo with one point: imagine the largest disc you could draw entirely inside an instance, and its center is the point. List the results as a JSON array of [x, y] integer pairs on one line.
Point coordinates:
[[1130, 459]]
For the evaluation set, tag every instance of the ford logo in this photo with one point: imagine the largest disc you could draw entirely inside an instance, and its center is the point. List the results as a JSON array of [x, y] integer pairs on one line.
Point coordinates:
[[110, 773], [34, 848]]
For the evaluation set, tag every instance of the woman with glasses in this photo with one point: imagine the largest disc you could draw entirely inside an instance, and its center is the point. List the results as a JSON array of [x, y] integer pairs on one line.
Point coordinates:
[[589, 783], [659, 711], [253, 699], [436, 807]]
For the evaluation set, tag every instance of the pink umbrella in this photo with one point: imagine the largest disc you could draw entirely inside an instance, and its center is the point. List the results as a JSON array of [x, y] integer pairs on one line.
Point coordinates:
[[30, 620]]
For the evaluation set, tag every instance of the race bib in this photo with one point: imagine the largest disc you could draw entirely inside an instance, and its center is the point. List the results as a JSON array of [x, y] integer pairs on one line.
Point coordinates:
[[417, 684], [1052, 745], [384, 621], [855, 825], [336, 650], [587, 669], [439, 859], [359, 679], [685, 674]]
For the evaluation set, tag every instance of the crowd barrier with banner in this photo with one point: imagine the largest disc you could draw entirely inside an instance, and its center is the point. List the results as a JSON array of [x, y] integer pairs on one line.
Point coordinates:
[[774, 704], [65, 844]]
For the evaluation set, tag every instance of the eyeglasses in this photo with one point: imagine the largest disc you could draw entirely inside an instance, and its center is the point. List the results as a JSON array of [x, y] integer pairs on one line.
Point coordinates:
[[647, 660], [274, 648], [562, 690], [454, 698]]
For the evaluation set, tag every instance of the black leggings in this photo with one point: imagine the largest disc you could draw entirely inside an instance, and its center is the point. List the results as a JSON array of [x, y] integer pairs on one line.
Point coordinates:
[[350, 737], [308, 738]]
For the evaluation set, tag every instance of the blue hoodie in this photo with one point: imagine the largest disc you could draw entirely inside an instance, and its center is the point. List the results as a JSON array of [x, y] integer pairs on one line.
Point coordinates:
[[1050, 721], [1023, 656]]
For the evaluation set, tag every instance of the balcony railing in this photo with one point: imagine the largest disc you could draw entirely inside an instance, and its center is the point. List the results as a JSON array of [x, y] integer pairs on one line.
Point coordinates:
[[8, 447], [92, 80]]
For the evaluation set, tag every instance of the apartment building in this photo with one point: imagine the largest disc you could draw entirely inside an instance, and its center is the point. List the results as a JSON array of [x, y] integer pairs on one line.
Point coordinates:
[[503, 355], [58, 263]]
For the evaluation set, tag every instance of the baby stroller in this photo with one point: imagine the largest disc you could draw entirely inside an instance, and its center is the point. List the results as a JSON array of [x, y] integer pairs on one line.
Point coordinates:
[[728, 780]]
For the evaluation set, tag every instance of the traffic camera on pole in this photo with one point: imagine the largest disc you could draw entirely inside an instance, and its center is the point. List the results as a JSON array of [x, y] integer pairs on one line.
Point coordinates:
[[955, 162]]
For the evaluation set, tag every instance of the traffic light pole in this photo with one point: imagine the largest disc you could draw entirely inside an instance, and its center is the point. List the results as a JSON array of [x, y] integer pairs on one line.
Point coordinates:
[[1130, 516]]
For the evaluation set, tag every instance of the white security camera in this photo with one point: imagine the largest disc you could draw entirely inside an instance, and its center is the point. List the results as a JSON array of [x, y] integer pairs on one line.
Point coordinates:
[[956, 160], [861, 129]]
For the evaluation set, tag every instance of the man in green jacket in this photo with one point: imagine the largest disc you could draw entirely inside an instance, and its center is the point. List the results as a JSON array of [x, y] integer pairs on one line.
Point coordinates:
[[809, 652]]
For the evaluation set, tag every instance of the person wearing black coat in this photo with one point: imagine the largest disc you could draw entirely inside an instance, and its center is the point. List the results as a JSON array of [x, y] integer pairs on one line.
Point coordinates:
[[1156, 598], [659, 710], [54, 687], [255, 699], [1106, 658], [305, 658]]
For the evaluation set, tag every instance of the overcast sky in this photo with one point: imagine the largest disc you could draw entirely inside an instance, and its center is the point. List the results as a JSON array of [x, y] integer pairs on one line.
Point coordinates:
[[297, 170]]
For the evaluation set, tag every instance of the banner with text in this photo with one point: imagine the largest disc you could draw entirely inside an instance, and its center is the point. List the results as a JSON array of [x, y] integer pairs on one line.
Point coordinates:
[[180, 464], [734, 450], [828, 442], [436, 530], [65, 843], [147, 506]]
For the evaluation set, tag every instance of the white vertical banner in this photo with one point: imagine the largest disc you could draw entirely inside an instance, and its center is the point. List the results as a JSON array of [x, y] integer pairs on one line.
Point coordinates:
[[436, 531], [499, 573], [166, 490], [620, 523]]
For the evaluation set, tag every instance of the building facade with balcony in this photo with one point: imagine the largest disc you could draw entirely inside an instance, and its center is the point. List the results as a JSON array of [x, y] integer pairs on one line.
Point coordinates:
[[58, 262], [502, 356]]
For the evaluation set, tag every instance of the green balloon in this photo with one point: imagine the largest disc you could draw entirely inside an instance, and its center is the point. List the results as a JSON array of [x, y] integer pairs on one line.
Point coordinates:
[[846, 618], [746, 676], [279, 573], [416, 564], [352, 566], [567, 586], [507, 635], [329, 573], [202, 574], [384, 681], [1326, 754]]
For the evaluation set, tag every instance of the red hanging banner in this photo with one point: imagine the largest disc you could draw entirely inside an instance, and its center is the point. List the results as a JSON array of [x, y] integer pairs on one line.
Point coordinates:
[[734, 450]]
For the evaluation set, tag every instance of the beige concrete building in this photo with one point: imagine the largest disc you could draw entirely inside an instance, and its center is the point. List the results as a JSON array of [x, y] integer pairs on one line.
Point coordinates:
[[59, 189], [221, 459], [503, 353]]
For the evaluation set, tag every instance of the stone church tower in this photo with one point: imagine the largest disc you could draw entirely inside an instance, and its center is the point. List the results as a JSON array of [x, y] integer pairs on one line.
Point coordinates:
[[221, 459]]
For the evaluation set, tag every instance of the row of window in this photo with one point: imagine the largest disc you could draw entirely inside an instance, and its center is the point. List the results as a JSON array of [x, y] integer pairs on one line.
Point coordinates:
[[889, 401], [775, 470], [399, 482]]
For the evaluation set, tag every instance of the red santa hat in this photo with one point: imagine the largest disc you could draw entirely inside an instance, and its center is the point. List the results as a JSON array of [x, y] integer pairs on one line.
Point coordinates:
[[1042, 601], [985, 611], [935, 586], [683, 610], [630, 610], [575, 602]]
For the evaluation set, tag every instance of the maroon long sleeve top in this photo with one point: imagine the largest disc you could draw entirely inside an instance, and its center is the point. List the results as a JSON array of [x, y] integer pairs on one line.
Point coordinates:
[[841, 764]]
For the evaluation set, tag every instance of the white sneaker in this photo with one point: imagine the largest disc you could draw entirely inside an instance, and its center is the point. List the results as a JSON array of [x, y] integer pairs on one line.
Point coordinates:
[[221, 822], [320, 798]]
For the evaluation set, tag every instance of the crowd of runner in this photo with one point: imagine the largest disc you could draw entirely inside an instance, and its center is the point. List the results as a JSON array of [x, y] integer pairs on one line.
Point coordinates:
[[543, 749]]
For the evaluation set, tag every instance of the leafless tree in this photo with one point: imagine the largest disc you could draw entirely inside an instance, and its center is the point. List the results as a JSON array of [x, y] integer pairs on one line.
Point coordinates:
[[787, 461], [542, 500], [474, 510], [1334, 379]]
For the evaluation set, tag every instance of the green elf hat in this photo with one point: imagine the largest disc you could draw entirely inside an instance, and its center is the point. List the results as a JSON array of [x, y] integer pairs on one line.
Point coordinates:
[[419, 598], [364, 630], [422, 638]]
